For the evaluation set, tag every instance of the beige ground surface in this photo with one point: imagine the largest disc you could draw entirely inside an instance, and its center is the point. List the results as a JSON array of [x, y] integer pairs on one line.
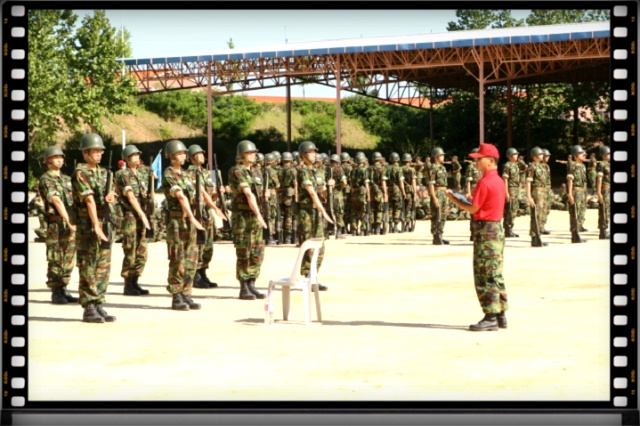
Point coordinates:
[[395, 327]]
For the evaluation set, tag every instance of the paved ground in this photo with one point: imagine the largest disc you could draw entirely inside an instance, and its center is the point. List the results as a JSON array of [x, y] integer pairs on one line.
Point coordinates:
[[395, 327]]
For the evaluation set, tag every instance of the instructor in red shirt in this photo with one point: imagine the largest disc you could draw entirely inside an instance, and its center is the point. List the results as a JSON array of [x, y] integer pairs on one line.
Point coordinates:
[[488, 238]]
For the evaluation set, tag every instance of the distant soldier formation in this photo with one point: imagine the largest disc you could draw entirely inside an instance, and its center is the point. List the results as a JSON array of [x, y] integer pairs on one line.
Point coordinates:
[[273, 199]]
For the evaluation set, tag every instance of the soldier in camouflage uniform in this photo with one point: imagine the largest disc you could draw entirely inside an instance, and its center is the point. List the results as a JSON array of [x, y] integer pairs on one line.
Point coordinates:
[[379, 195], [523, 171], [397, 194], [89, 182], [576, 189], [488, 239], [360, 195], [287, 180], [54, 188], [36, 208], [340, 178], [472, 176], [248, 223], [133, 192], [511, 177], [270, 172], [426, 172], [310, 209], [347, 167], [410, 191], [195, 155], [603, 186], [592, 173], [179, 191], [437, 191], [536, 193], [546, 155]]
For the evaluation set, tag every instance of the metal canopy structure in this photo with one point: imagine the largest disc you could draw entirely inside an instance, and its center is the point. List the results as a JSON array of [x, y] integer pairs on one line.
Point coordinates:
[[396, 69]]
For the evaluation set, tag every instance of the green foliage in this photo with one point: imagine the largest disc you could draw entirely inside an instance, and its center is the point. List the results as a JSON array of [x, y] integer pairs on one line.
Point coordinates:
[[480, 19], [320, 129], [565, 16]]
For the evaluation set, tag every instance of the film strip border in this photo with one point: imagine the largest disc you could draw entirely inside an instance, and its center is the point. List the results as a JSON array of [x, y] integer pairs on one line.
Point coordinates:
[[623, 208], [14, 200], [624, 229]]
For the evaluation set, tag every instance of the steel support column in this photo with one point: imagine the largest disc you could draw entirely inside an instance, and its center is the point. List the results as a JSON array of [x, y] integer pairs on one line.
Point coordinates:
[[338, 72], [209, 121], [509, 116], [288, 114], [481, 93]]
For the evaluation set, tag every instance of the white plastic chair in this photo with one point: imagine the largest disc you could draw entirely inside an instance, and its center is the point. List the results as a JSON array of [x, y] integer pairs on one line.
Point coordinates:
[[307, 284]]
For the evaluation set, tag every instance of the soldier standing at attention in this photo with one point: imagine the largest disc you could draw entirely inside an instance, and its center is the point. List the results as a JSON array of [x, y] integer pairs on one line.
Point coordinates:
[[576, 190], [536, 193], [592, 172], [410, 190], [195, 155], [89, 182], [180, 192], [287, 184], [437, 190], [338, 195], [248, 222], [347, 167], [272, 201], [310, 206], [426, 172], [132, 189], [472, 176], [397, 194], [487, 208], [55, 190], [456, 173], [379, 195], [360, 195], [603, 185], [36, 207], [546, 155], [511, 177]]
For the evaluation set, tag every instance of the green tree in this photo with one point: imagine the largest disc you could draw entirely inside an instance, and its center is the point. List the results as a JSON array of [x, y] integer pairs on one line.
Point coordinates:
[[480, 19], [565, 16]]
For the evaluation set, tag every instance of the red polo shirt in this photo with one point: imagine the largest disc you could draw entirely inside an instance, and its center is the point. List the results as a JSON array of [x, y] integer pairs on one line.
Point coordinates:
[[489, 196]]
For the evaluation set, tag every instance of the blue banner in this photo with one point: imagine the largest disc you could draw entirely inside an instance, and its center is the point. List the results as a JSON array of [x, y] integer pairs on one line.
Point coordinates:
[[156, 166]]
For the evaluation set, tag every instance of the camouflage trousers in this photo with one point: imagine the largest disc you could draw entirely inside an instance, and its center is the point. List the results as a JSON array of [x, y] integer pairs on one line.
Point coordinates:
[[61, 253], [395, 204], [408, 203], [511, 208], [42, 230], [248, 240], [603, 221], [377, 206], [580, 204], [205, 251], [539, 196], [488, 249], [358, 208], [94, 262], [182, 252], [134, 245], [437, 226], [273, 214], [338, 208], [310, 226], [456, 181], [547, 209], [346, 196], [286, 211]]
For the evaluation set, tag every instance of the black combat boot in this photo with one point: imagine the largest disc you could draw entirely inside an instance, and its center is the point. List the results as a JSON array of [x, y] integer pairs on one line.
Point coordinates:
[[198, 281], [502, 320], [203, 275], [190, 302], [545, 232], [443, 240], [510, 234], [104, 314], [137, 287], [91, 315], [604, 235], [245, 293], [537, 242], [58, 297], [339, 235], [178, 303], [251, 285], [322, 287], [437, 239], [270, 241], [129, 288], [488, 323], [583, 229], [68, 295], [575, 238]]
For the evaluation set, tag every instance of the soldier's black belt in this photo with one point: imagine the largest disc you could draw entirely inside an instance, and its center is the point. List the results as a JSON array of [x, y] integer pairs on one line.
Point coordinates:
[[578, 188], [83, 212], [243, 207], [485, 222], [54, 217], [176, 213], [539, 187], [307, 206]]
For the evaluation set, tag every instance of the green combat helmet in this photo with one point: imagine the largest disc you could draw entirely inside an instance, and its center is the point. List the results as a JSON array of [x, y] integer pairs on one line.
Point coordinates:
[[172, 147], [259, 157], [344, 157], [436, 151], [277, 155], [193, 150], [603, 150], [296, 155], [535, 151], [406, 157], [287, 156], [546, 152], [269, 158], [511, 151], [394, 157], [335, 158], [53, 150], [576, 149], [91, 140], [307, 146], [129, 150], [360, 158], [245, 146], [376, 156]]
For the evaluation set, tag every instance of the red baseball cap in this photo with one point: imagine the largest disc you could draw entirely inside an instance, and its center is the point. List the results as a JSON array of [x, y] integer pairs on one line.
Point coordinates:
[[486, 150], [120, 163]]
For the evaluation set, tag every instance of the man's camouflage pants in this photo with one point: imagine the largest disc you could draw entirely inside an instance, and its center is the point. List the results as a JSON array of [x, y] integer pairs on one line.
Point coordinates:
[[511, 207], [94, 262], [248, 241], [61, 253], [134, 245], [338, 209], [310, 226], [286, 210], [182, 252], [205, 251], [488, 249], [377, 206], [539, 196], [359, 208], [580, 204], [437, 226], [395, 204], [603, 222]]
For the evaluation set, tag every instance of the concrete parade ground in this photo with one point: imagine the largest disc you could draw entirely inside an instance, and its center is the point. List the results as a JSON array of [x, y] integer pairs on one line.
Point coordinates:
[[395, 327]]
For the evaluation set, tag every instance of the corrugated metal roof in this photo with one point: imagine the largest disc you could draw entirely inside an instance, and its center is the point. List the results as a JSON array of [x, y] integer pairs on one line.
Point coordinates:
[[469, 38]]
